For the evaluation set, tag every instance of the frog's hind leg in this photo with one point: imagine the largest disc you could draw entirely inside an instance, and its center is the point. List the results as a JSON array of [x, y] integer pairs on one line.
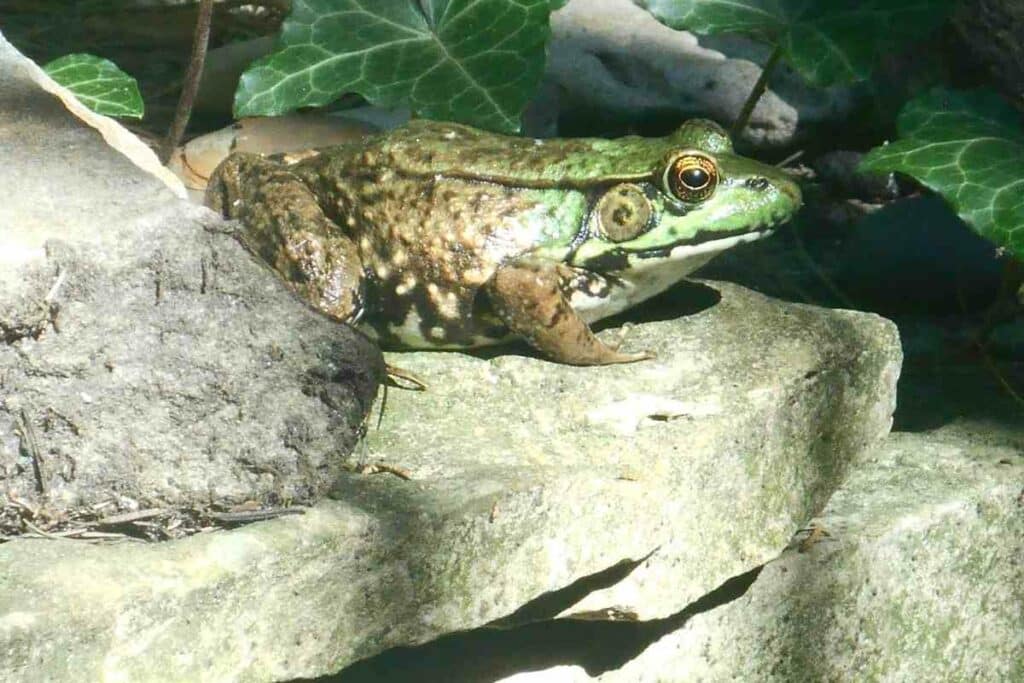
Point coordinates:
[[284, 225], [528, 297]]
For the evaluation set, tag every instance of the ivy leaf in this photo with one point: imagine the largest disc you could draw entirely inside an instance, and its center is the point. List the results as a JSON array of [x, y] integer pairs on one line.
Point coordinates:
[[99, 84], [969, 148], [828, 42], [475, 61]]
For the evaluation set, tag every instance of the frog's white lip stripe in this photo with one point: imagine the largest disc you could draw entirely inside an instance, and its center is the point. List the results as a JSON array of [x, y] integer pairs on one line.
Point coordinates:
[[714, 246], [693, 249], [648, 275]]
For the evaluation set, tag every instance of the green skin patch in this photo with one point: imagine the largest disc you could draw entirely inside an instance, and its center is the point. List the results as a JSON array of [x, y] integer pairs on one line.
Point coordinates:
[[438, 235]]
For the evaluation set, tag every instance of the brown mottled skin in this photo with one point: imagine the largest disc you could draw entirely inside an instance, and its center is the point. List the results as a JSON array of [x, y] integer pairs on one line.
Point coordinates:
[[443, 236], [335, 210]]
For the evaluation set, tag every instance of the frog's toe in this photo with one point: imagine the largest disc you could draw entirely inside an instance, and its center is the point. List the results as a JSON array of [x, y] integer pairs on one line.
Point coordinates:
[[616, 357]]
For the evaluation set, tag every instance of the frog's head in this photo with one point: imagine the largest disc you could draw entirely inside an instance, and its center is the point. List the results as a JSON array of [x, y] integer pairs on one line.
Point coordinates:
[[699, 199]]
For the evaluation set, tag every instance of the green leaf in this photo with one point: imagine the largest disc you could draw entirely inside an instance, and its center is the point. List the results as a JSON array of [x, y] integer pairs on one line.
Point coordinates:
[[969, 148], [827, 41], [98, 84], [475, 61]]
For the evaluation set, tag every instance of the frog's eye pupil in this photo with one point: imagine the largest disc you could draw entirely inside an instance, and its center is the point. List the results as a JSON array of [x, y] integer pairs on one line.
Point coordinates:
[[695, 178], [691, 176]]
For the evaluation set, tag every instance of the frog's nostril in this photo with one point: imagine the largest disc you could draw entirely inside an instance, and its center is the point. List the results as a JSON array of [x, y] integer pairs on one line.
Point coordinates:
[[758, 183]]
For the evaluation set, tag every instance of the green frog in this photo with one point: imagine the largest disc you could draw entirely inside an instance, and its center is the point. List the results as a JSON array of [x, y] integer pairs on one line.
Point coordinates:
[[438, 235]]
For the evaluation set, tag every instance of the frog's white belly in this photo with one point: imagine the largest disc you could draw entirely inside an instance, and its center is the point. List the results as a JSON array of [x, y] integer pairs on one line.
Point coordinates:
[[648, 277]]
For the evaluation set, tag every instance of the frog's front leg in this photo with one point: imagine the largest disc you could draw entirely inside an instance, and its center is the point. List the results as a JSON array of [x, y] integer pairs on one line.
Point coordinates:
[[529, 299], [284, 224]]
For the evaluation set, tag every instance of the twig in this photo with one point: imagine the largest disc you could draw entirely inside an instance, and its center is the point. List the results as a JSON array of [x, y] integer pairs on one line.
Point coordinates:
[[127, 517], [998, 312], [414, 383], [990, 365], [755, 94], [21, 505], [809, 261], [790, 159], [32, 446], [36, 530], [191, 84], [253, 515], [107, 536], [381, 468]]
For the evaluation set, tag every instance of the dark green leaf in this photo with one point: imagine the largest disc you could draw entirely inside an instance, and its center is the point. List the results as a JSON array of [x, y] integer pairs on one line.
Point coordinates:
[[968, 147], [826, 41], [476, 61], [98, 84]]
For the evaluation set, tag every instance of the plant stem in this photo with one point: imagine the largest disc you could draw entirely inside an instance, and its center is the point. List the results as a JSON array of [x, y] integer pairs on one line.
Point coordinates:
[[755, 93], [191, 84]]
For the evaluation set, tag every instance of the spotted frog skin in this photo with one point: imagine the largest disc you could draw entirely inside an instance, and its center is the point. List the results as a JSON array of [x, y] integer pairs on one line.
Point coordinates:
[[438, 235]]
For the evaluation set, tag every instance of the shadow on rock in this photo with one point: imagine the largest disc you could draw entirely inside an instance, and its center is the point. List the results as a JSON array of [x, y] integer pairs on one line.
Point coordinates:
[[489, 653], [930, 397]]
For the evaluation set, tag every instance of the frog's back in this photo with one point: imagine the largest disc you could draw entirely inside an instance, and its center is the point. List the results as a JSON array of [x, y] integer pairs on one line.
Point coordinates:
[[432, 148]]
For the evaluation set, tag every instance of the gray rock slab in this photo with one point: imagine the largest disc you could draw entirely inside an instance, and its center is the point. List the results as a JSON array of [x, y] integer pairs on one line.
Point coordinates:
[[524, 477], [917, 575], [613, 57], [146, 359], [707, 458]]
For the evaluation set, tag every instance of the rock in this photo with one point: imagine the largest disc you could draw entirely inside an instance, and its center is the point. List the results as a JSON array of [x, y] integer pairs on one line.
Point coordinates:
[[612, 57], [915, 575], [222, 68], [654, 438], [912, 572], [512, 489], [115, 135], [146, 359], [993, 32]]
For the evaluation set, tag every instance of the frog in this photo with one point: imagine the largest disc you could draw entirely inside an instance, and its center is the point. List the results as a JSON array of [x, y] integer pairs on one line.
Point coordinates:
[[438, 235]]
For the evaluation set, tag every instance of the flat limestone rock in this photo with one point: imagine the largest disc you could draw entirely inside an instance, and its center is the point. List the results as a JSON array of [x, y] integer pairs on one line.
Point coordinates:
[[704, 460], [508, 479], [916, 574], [146, 359]]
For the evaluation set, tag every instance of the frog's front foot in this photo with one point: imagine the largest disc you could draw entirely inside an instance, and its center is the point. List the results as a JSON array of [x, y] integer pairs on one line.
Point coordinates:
[[529, 299]]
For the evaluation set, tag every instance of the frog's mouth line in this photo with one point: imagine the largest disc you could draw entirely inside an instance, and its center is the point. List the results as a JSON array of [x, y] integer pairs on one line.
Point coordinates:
[[699, 246], [618, 260]]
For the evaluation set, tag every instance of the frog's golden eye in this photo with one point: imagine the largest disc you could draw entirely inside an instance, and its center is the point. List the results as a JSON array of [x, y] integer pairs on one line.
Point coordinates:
[[691, 176], [623, 212]]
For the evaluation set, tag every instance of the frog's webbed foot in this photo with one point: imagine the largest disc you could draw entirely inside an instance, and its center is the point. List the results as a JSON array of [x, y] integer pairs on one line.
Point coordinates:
[[284, 225], [528, 297]]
